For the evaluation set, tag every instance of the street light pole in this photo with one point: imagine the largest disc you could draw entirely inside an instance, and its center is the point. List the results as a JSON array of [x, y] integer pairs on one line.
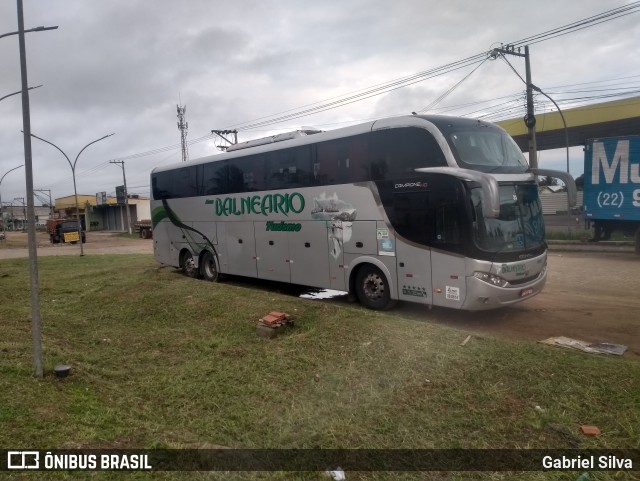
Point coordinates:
[[36, 29], [1, 211], [564, 122], [36, 320], [73, 173], [36, 331], [19, 92]]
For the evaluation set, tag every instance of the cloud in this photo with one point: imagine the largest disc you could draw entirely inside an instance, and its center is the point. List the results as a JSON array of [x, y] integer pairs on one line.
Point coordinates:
[[122, 66]]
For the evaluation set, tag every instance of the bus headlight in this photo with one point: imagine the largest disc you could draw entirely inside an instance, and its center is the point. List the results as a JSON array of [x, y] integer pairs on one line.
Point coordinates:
[[491, 279]]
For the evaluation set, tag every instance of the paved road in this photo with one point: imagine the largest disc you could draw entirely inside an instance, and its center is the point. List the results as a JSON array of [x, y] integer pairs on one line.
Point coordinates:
[[590, 296], [98, 243]]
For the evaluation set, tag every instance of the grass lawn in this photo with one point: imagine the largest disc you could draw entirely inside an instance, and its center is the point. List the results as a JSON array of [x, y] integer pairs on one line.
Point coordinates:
[[160, 360]]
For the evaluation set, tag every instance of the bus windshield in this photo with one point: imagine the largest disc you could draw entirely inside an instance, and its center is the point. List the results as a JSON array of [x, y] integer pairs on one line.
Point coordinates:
[[520, 225], [487, 150]]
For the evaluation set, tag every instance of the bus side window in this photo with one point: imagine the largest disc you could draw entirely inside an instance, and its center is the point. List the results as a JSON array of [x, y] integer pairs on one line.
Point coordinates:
[[396, 153], [216, 180], [341, 161], [447, 224], [289, 168], [447, 215]]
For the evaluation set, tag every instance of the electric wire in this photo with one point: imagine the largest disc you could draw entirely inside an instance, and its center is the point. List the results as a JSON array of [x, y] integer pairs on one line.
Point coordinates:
[[386, 87]]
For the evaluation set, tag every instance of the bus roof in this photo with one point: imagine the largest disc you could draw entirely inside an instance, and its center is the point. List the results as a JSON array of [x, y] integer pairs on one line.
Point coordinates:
[[432, 123]]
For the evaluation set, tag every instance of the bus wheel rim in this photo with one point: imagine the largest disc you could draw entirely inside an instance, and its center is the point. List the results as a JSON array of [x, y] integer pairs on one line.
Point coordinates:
[[373, 287], [210, 267], [189, 264]]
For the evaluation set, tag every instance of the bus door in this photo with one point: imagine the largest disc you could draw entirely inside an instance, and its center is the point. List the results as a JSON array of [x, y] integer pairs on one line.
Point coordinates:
[[412, 219], [448, 241]]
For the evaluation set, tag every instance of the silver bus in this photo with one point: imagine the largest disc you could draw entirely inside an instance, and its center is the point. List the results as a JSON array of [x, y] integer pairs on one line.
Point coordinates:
[[437, 210]]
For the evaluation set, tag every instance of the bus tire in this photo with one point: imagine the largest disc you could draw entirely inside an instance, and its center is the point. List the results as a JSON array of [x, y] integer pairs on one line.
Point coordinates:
[[372, 288], [188, 265], [208, 267]]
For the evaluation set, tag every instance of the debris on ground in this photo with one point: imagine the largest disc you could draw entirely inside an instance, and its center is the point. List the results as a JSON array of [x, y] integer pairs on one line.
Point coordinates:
[[464, 343], [273, 323], [336, 474], [593, 348], [589, 430]]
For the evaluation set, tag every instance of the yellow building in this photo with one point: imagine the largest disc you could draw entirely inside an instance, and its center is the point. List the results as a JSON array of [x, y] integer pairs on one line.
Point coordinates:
[[102, 212]]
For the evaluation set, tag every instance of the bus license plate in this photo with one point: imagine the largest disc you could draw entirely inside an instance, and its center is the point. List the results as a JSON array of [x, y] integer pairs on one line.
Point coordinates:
[[526, 292]]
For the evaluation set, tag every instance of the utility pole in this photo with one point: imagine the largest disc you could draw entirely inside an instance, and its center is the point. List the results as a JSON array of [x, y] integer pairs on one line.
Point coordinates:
[[126, 192], [529, 118], [183, 127], [222, 133], [50, 205]]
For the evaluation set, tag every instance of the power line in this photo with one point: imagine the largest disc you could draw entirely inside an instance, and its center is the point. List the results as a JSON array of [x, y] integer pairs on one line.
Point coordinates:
[[443, 96], [386, 87]]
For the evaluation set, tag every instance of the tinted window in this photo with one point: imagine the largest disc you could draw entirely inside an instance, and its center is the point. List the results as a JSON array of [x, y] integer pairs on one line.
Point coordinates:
[[289, 168], [254, 174], [449, 227], [386, 154], [341, 161], [216, 178], [182, 182], [431, 212], [397, 152], [411, 217]]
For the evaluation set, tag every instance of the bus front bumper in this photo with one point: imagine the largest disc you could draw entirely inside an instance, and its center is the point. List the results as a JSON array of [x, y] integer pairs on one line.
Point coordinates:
[[482, 295]]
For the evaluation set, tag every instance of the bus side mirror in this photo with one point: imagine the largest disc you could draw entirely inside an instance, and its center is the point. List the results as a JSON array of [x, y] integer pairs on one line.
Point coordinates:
[[565, 177], [488, 183]]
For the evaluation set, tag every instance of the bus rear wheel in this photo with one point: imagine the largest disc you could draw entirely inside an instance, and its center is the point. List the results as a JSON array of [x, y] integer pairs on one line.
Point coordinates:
[[188, 265], [208, 267], [372, 288]]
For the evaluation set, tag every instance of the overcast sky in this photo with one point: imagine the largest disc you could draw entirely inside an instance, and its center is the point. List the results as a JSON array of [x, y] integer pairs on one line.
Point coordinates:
[[122, 66]]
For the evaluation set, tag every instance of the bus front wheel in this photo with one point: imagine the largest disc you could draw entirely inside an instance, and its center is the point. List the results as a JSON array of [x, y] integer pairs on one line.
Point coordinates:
[[208, 267], [372, 288], [188, 265]]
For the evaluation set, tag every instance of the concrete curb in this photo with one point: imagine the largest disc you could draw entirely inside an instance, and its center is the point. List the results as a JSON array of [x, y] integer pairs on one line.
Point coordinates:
[[580, 246]]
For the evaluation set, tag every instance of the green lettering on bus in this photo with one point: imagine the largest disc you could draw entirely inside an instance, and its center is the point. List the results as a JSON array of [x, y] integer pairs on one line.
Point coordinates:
[[284, 226], [256, 204]]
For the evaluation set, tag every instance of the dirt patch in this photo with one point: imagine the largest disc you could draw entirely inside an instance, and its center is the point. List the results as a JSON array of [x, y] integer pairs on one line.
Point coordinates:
[[97, 243], [590, 296]]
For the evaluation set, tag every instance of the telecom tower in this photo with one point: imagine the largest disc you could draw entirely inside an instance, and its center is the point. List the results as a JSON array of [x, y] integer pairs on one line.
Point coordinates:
[[183, 126]]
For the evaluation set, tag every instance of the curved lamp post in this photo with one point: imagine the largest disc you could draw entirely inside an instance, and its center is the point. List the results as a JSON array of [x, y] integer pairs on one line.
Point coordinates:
[[19, 92], [73, 172], [36, 29], [566, 131], [1, 179]]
